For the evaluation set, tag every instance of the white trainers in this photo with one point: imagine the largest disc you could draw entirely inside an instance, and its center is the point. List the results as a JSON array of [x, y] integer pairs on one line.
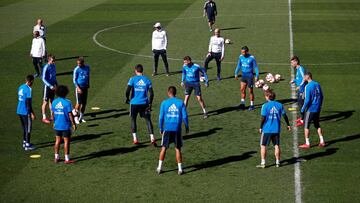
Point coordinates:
[[83, 120], [76, 119], [158, 170], [180, 172], [261, 166]]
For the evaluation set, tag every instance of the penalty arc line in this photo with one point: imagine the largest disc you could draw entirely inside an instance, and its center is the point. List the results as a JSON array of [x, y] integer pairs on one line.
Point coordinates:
[[297, 171]]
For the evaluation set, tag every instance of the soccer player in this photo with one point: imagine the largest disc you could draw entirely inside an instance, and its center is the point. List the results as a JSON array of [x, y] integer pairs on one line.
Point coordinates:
[[50, 83], [81, 79], [37, 52], [40, 27], [25, 111], [139, 86], [159, 44], [300, 84], [216, 51], [271, 113], [191, 81], [63, 122], [311, 110], [172, 114], [247, 64], [210, 12]]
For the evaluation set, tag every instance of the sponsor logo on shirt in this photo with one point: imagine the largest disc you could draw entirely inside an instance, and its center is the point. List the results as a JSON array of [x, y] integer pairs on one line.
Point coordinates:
[[173, 111]]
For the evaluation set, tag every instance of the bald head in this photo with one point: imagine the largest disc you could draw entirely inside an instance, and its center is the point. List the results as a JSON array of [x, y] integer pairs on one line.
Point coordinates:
[[39, 21]]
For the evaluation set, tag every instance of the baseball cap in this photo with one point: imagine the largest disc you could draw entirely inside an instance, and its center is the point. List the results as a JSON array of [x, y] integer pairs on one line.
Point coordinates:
[[157, 24]]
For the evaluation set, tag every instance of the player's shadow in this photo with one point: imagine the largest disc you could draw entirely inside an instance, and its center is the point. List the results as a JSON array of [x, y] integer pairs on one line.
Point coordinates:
[[94, 116], [64, 73], [109, 152], [219, 162], [337, 115], [69, 58], [96, 113], [232, 28], [291, 161], [202, 134], [75, 139], [343, 139]]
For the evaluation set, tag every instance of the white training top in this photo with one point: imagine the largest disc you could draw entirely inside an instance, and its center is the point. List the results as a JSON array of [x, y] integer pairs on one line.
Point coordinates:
[[159, 40], [41, 29], [38, 47], [216, 45]]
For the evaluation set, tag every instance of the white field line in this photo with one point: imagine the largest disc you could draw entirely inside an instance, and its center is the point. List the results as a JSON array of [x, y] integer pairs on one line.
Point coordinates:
[[297, 171]]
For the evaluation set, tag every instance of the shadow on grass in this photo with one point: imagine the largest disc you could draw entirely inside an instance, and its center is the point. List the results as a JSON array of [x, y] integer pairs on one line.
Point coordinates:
[[232, 28], [343, 139], [337, 115], [69, 58], [94, 118], [94, 114], [75, 139], [202, 134], [109, 152]]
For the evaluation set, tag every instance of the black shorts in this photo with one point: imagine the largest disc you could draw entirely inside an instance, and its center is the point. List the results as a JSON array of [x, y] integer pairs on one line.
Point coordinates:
[[267, 137], [211, 18], [49, 94], [249, 80], [172, 137], [81, 98], [141, 109], [190, 88], [63, 133], [312, 117]]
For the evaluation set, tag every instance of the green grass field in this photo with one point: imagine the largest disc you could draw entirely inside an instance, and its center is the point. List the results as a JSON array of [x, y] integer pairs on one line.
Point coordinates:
[[220, 153]]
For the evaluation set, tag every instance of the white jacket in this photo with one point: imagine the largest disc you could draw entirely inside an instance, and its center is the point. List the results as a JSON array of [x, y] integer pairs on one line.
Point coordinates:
[[159, 40], [38, 47], [216, 45]]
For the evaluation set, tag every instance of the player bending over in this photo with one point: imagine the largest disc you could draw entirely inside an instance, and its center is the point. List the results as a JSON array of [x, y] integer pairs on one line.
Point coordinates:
[[25, 111], [81, 79], [139, 86], [50, 83], [311, 110], [172, 114], [247, 65], [191, 81], [270, 126], [63, 122]]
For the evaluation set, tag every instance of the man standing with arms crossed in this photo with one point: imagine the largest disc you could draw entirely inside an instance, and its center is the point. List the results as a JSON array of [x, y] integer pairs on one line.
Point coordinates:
[[81, 79], [172, 114], [139, 86], [50, 83], [216, 51], [247, 64], [210, 12], [311, 110], [37, 52], [191, 81], [25, 111], [159, 45]]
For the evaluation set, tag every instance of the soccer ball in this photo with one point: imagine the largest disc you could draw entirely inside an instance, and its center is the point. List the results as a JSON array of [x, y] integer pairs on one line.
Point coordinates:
[[269, 77], [266, 87], [259, 83], [227, 41], [202, 79], [272, 80], [277, 77]]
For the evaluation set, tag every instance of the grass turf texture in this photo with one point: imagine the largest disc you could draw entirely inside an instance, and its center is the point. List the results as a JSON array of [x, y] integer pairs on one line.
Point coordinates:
[[221, 152]]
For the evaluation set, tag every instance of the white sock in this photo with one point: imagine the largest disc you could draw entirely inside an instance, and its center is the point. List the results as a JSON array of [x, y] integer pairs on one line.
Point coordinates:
[[152, 137], [277, 161], [179, 166], [134, 136], [262, 161], [242, 101], [57, 156], [44, 116], [160, 164], [321, 139], [251, 103], [27, 144], [204, 110], [67, 157], [307, 141]]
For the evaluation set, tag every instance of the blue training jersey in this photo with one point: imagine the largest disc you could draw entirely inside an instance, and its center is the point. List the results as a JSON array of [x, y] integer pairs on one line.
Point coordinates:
[[191, 74], [61, 108], [313, 97], [299, 78], [49, 75], [140, 87], [24, 93], [272, 111], [81, 76], [247, 65], [172, 113]]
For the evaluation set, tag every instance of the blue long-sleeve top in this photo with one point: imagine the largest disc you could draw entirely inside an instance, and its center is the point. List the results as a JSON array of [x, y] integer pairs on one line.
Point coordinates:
[[191, 74], [81, 76], [299, 78], [49, 75], [313, 98], [172, 114], [247, 65]]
